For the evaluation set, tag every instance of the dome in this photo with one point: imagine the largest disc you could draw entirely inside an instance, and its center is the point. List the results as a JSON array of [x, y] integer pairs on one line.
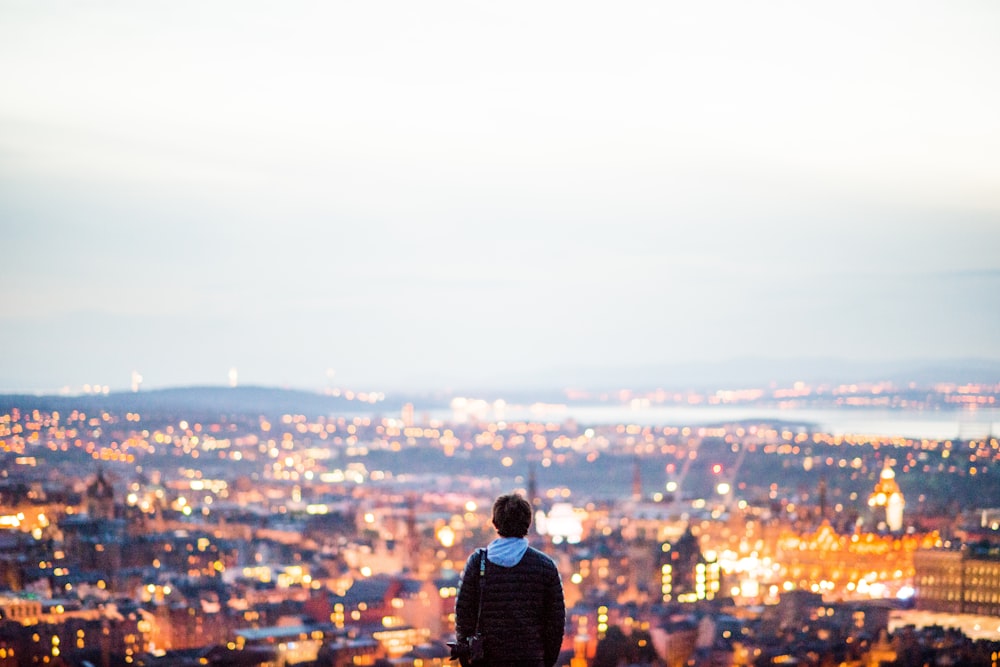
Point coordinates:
[[888, 496]]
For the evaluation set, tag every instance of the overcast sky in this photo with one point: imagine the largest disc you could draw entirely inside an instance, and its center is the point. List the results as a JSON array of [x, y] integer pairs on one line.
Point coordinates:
[[388, 195]]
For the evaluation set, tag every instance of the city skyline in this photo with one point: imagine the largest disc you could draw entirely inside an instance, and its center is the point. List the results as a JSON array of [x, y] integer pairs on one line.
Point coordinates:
[[459, 195], [213, 528]]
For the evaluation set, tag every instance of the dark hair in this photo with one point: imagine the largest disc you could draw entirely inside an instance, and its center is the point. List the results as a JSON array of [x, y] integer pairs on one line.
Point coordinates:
[[511, 515]]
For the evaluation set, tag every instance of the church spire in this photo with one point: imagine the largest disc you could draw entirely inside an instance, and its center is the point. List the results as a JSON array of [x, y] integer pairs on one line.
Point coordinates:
[[532, 487], [822, 497], [636, 480]]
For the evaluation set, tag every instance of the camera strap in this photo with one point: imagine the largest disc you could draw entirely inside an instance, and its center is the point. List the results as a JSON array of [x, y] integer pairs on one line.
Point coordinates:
[[482, 581]]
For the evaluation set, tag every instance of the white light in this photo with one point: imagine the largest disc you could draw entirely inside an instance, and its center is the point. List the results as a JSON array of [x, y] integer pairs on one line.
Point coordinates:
[[562, 523]]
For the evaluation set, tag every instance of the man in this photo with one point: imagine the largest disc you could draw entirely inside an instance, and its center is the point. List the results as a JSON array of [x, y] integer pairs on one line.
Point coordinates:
[[523, 612]]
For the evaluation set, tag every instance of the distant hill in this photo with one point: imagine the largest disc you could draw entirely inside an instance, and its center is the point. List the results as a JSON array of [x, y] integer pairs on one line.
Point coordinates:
[[548, 386], [193, 401]]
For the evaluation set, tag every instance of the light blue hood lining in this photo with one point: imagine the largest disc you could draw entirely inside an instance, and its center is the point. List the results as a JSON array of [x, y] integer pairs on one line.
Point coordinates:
[[507, 551]]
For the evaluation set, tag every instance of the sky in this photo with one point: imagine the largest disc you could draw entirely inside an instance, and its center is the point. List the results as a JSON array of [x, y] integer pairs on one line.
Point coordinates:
[[398, 195]]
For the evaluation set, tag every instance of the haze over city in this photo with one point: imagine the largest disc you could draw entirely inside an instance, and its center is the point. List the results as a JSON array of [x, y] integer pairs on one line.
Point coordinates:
[[393, 195]]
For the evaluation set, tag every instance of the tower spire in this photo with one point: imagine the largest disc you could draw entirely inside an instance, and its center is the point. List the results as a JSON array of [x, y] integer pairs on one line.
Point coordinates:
[[532, 487], [636, 479], [822, 497]]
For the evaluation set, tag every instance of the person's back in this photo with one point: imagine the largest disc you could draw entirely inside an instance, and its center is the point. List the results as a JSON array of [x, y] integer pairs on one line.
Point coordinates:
[[523, 612]]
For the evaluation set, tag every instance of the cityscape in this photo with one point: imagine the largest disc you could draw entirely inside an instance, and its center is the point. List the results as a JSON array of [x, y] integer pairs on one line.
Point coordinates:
[[201, 526], [291, 294]]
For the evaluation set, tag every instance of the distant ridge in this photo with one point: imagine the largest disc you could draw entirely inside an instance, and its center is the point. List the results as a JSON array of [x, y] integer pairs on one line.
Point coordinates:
[[192, 401], [548, 386]]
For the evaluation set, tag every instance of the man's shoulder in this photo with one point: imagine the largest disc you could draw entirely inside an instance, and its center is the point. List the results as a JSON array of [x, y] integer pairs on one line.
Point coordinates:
[[473, 559], [543, 558]]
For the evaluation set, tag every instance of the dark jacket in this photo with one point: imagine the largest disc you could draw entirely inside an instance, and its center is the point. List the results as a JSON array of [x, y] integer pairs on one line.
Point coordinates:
[[524, 613]]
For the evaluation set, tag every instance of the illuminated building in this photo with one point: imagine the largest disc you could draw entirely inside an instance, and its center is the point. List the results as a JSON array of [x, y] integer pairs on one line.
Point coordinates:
[[887, 495], [563, 523], [294, 643], [938, 580], [863, 564], [40, 630], [398, 641], [685, 574], [347, 652], [965, 580], [649, 521], [21, 609], [387, 602], [29, 517]]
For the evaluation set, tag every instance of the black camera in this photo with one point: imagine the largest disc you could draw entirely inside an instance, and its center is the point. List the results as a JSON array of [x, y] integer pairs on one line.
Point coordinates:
[[469, 651]]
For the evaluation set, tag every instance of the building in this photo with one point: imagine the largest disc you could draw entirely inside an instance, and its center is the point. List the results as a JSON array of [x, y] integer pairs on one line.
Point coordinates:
[[825, 561], [382, 601], [35, 629], [938, 580], [961, 581], [685, 574], [100, 498], [293, 644]]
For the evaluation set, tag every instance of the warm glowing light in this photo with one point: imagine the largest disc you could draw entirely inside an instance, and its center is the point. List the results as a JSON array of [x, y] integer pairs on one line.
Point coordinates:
[[446, 536]]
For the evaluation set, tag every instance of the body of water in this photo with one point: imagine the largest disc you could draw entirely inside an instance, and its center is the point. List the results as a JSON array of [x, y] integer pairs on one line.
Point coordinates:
[[918, 424]]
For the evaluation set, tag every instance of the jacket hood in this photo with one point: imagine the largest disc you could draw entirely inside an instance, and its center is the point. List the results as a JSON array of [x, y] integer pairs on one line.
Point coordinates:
[[506, 551]]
